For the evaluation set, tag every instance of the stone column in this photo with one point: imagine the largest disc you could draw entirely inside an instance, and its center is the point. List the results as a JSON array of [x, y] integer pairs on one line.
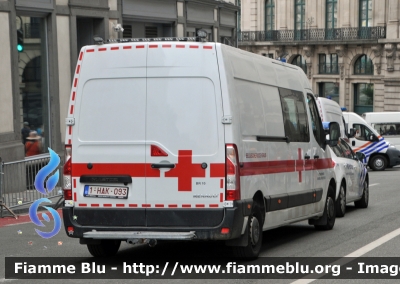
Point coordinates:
[[392, 29]]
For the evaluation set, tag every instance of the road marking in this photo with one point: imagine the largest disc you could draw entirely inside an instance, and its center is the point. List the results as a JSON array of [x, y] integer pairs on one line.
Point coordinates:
[[355, 254], [373, 184]]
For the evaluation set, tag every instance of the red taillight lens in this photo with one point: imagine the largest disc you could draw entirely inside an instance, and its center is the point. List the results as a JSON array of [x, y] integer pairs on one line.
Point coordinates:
[[67, 186], [157, 151], [232, 173]]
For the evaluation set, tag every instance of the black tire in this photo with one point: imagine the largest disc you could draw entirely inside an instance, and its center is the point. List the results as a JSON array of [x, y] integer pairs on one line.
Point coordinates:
[[363, 202], [341, 202], [255, 232], [105, 248], [378, 163], [329, 211]]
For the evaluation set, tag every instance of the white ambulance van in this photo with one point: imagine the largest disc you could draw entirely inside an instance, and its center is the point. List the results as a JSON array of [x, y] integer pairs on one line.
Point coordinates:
[[386, 124], [378, 152], [188, 140]]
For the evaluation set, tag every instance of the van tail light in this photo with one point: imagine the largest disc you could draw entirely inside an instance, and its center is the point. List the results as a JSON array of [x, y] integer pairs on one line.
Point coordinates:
[[232, 173], [67, 184]]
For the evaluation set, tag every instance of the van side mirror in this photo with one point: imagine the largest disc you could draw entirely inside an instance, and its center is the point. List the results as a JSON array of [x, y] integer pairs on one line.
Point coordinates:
[[334, 134], [352, 132], [360, 156], [373, 138]]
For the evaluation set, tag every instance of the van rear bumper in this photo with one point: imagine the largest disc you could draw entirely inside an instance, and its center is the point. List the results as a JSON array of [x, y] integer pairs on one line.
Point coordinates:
[[205, 223]]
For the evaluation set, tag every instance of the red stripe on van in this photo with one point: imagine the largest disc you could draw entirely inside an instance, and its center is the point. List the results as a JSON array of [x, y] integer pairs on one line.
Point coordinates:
[[120, 205], [362, 147], [127, 47], [70, 130], [166, 46], [132, 205], [172, 205], [95, 205], [107, 205], [78, 68], [221, 183], [200, 205], [72, 110], [73, 96], [133, 170], [80, 56], [82, 204], [74, 183], [146, 205], [180, 46], [207, 47], [75, 196], [69, 141], [213, 205], [193, 46], [217, 170], [159, 205], [115, 48], [76, 82], [140, 46], [102, 49], [90, 50], [153, 46], [186, 205], [221, 197]]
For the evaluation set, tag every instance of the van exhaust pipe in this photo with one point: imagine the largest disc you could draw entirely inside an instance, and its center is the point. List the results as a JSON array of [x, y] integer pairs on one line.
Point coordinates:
[[151, 242]]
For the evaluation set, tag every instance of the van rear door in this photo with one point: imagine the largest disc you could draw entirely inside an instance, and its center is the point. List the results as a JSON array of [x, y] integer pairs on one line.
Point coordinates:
[[184, 134]]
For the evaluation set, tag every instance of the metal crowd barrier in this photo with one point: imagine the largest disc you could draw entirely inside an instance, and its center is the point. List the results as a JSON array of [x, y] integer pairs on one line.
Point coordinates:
[[17, 188]]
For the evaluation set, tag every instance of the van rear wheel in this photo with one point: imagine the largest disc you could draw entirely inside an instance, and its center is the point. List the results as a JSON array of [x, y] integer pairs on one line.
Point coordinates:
[[105, 248], [363, 202], [255, 233], [378, 163], [341, 202], [329, 211]]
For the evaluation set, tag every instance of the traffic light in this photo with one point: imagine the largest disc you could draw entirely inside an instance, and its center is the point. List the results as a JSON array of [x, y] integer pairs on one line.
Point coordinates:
[[20, 37]]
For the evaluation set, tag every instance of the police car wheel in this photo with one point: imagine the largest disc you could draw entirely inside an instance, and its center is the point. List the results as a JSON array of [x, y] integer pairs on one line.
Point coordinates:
[[341, 202], [252, 250], [378, 163], [363, 202], [105, 248], [329, 211]]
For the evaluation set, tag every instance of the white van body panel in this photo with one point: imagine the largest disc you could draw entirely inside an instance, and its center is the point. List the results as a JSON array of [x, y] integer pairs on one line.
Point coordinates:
[[380, 120], [331, 111], [189, 101]]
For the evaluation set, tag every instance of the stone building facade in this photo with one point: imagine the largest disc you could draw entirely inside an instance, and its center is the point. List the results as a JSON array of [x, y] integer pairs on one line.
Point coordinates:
[[349, 49], [40, 43]]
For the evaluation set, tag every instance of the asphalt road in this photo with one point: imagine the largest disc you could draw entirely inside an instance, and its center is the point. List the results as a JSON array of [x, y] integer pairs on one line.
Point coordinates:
[[356, 232]]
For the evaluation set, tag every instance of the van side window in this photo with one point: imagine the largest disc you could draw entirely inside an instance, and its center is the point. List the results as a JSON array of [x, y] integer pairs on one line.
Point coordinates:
[[362, 132], [338, 151], [387, 129], [348, 153], [316, 121], [294, 115]]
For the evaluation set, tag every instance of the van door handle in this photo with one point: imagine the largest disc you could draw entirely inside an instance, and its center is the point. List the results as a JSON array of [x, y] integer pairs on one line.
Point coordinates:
[[316, 157], [307, 157], [160, 166], [353, 143]]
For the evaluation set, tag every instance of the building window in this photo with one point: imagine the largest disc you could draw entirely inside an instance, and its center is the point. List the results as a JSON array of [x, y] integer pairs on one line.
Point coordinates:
[[269, 55], [329, 90], [331, 18], [363, 98], [363, 66], [270, 15], [33, 81], [365, 13], [328, 64], [301, 62], [300, 11]]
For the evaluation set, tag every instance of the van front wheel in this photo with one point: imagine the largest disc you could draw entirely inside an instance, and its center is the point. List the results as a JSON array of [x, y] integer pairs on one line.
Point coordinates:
[[105, 248], [255, 233], [378, 163], [329, 212]]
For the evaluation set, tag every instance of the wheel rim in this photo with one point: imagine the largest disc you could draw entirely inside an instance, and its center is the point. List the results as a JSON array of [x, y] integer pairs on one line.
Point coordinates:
[[379, 163], [254, 231], [342, 199], [330, 208]]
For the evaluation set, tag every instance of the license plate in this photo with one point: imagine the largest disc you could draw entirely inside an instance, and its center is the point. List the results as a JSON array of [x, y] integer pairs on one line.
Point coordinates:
[[105, 191]]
